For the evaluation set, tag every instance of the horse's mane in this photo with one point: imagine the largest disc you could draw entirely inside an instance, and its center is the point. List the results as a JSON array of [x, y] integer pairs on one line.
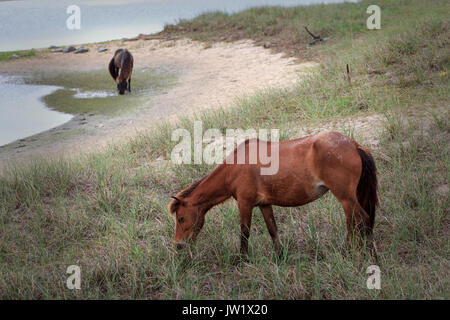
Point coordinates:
[[186, 192], [183, 194]]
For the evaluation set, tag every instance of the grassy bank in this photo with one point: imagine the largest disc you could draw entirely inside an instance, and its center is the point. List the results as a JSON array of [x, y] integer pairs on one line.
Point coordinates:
[[282, 29], [9, 55], [106, 212], [145, 82]]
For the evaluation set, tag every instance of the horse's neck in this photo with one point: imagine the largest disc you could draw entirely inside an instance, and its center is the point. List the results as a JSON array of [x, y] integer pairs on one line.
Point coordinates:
[[212, 190]]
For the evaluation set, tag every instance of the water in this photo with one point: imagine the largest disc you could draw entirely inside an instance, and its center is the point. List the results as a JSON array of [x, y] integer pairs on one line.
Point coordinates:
[[22, 114], [41, 23], [93, 94]]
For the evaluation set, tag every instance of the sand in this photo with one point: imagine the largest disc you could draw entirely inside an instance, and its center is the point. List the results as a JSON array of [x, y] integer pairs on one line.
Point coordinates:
[[209, 77]]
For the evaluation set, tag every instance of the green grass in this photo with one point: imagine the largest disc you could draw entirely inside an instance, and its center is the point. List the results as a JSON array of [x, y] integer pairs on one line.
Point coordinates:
[[107, 214], [379, 83], [7, 55], [284, 29], [145, 82], [106, 211]]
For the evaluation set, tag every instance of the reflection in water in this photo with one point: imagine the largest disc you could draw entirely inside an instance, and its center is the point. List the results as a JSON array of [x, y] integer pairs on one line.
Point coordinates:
[[22, 114], [93, 94]]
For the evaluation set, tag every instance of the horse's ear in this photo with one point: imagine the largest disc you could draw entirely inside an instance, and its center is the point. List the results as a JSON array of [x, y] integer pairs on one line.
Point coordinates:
[[175, 203]]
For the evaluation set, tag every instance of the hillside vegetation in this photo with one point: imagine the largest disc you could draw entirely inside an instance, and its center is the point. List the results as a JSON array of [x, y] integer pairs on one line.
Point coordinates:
[[106, 212]]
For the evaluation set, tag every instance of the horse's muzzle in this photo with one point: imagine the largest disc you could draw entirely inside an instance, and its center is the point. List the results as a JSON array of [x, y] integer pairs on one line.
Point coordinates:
[[180, 245]]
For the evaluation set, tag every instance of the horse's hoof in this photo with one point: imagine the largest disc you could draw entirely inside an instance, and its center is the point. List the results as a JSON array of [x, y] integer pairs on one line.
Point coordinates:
[[236, 260], [242, 258], [280, 254]]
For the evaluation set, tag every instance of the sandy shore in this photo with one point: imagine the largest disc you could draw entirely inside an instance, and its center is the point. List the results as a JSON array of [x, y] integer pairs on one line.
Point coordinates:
[[209, 77]]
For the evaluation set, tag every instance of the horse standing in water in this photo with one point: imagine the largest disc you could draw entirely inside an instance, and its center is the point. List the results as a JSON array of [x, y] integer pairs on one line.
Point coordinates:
[[307, 168], [120, 68]]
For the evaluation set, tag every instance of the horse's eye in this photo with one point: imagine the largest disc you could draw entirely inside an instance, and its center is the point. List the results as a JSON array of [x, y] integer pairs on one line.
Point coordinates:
[[181, 220]]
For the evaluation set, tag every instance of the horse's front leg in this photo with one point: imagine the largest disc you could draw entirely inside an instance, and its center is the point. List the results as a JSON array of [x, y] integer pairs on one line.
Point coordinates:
[[246, 220], [272, 227], [129, 85]]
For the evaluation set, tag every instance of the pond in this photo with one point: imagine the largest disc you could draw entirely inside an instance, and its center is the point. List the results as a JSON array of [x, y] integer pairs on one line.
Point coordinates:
[[22, 113]]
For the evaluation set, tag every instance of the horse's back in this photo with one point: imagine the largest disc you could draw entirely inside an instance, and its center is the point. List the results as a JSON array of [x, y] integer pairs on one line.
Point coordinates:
[[123, 58], [290, 182], [306, 168], [296, 152], [333, 140], [334, 149]]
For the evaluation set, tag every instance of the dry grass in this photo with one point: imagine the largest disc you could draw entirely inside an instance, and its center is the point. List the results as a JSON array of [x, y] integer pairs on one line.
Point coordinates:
[[107, 212]]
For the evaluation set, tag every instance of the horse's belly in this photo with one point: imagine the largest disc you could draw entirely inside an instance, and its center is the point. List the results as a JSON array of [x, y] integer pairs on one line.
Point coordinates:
[[295, 195]]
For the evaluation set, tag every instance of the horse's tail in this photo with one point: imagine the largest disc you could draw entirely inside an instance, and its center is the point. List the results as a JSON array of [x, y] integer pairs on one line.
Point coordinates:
[[113, 69], [366, 191]]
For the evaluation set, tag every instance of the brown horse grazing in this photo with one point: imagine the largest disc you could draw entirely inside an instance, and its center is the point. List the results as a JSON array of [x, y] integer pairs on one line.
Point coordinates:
[[123, 61], [307, 168]]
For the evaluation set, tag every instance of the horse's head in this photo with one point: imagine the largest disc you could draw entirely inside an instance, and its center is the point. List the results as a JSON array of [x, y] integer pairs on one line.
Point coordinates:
[[122, 86], [188, 221]]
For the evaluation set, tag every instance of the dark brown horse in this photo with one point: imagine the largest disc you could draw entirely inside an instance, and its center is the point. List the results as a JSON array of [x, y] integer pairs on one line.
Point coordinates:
[[120, 68], [307, 168]]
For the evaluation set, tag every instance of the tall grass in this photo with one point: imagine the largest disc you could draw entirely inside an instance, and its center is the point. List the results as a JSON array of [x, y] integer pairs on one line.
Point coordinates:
[[117, 229], [283, 28], [9, 55], [106, 212]]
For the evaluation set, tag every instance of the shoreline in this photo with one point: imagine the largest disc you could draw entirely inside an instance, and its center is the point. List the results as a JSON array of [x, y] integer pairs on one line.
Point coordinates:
[[31, 97], [209, 77]]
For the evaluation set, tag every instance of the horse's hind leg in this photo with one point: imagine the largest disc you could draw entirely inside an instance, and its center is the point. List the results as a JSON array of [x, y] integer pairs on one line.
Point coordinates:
[[358, 224], [344, 189], [357, 219], [339, 165], [129, 85], [272, 227]]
